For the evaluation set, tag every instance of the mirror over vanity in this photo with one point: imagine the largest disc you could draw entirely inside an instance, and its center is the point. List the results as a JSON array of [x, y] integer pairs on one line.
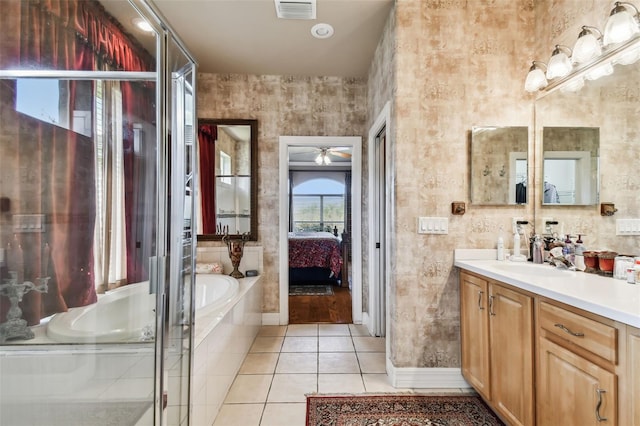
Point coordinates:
[[594, 125], [226, 197], [499, 165], [570, 165]]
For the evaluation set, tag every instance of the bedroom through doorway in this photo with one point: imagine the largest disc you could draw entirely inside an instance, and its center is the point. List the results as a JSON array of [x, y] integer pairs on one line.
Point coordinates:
[[318, 277]]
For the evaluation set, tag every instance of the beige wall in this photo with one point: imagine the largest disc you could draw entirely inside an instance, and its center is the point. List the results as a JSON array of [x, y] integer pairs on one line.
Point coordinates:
[[283, 106], [446, 66], [459, 64]]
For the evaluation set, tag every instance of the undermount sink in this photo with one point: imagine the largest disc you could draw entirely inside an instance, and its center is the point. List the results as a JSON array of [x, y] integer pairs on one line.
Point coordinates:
[[531, 269]]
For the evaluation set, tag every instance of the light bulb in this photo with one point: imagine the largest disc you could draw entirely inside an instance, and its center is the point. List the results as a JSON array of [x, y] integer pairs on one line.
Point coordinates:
[[621, 25], [587, 47], [559, 64], [535, 80]]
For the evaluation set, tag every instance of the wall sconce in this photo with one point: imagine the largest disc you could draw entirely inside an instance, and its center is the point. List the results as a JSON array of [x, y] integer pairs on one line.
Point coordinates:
[[588, 46], [559, 64], [621, 25], [536, 80]]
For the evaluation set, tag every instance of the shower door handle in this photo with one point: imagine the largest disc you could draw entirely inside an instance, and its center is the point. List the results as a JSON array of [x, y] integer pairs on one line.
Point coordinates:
[[153, 275]]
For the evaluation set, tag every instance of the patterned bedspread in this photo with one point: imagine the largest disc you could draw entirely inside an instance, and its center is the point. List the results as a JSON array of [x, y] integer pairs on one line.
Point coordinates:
[[315, 249]]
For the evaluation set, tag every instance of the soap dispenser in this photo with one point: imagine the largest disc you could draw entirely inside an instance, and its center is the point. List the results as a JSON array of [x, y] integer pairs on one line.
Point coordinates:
[[538, 250]]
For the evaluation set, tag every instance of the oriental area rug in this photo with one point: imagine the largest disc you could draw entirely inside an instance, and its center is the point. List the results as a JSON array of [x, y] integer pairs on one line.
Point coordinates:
[[399, 410]]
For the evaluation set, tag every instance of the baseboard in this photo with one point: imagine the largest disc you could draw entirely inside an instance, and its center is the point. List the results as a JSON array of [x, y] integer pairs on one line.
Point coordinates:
[[366, 321], [271, 318], [426, 378]]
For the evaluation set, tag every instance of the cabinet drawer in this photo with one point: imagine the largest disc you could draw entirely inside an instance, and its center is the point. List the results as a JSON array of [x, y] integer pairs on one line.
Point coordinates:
[[593, 336]]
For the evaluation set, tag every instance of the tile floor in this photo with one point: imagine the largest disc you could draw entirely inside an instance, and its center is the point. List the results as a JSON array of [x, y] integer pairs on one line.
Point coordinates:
[[287, 362]]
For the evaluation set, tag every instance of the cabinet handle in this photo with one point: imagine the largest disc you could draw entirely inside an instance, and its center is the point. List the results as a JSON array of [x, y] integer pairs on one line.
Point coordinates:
[[600, 392], [566, 330], [491, 306], [480, 293]]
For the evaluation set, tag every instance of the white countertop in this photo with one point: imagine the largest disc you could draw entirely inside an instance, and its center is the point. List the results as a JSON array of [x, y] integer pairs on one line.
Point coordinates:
[[611, 298]]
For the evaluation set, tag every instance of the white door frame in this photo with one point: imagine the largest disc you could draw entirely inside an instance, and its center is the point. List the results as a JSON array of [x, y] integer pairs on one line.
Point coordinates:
[[382, 121], [355, 142]]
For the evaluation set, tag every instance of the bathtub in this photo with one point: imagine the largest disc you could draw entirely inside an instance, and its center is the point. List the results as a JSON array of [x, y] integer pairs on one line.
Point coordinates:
[[127, 314], [213, 292], [121, 315]]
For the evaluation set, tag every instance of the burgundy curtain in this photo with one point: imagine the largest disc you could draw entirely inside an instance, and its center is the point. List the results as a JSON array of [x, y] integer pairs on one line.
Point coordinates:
[[207, 135], [55, 166]]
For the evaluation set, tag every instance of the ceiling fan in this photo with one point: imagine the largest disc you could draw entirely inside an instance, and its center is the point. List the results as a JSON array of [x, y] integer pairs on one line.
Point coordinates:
[[324, 157], [324, 154]]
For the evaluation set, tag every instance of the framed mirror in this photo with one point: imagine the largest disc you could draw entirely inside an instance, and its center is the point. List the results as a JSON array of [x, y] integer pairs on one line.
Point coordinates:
[[499, 165], [226, 196], [570, 165]]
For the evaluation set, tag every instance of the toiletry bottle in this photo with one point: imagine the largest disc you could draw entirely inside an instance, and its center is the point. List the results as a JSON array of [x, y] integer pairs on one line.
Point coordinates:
[[579, 246], [636, 270], [500, 246], [538, 249]]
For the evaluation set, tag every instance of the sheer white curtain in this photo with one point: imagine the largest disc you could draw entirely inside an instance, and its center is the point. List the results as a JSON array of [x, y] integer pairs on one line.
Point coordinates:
[[110, 251]]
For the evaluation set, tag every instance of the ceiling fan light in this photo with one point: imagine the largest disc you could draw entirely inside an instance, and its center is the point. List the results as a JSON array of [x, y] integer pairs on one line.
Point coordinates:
[[319, 160]]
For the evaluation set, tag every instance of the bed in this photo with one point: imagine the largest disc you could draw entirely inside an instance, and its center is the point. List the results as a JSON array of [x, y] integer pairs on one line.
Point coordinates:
[[314, 257]]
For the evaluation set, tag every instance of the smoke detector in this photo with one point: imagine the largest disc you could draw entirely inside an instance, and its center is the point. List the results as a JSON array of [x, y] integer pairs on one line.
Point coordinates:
[[296, 9]]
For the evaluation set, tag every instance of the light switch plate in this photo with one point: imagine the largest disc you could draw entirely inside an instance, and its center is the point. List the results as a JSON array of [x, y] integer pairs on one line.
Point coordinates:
[[627, 226], [433, 225]]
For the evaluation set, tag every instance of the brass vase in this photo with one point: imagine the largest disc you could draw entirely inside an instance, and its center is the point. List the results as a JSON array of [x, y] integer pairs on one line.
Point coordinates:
[[235, 248]]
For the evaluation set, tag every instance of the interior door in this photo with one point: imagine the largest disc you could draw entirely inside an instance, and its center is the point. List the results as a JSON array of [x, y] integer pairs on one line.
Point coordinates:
[[379, 209]]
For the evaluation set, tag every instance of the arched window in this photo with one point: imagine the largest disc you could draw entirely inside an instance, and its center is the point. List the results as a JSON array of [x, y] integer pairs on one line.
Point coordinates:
[[318, 205]]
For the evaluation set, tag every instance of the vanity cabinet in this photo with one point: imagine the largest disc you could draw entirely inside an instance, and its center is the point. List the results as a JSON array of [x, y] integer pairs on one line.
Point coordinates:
[[576, 375], [633, 354], [497, 346]]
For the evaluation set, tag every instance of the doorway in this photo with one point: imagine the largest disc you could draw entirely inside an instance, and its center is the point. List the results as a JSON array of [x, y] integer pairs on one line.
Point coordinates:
[[289, 144], [381, 200]]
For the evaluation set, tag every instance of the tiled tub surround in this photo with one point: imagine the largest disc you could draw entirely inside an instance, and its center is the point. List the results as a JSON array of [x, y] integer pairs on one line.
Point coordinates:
[[222, 338]]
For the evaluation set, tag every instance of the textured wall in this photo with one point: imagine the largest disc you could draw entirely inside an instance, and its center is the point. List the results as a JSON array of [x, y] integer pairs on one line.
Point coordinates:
[[459, 64], [283, 106]]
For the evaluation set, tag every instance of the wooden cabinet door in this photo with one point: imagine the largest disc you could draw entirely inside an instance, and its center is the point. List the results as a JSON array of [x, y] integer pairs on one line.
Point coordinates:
[[633, 342], [572, 390], [512, 356], [474, 333]]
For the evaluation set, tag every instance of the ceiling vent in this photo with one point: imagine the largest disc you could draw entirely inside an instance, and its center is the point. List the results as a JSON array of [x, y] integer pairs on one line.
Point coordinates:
[[296, 9]]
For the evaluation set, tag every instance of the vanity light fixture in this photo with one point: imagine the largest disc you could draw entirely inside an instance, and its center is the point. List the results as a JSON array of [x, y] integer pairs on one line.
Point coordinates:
[[536, 79], [559, 64], [588, 46], [621, 24]]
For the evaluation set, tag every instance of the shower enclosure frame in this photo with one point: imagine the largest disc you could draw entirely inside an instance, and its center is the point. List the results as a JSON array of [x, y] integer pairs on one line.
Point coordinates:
[[171, 270]]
